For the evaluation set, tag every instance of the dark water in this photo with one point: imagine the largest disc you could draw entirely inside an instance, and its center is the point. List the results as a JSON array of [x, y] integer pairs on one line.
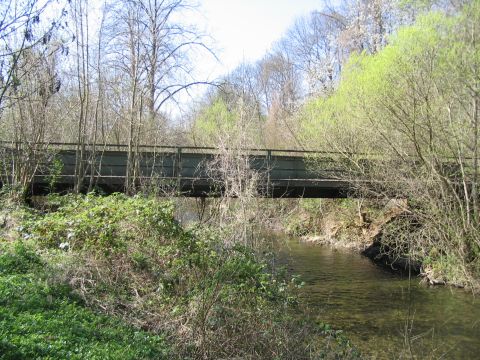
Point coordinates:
[[376, 308]]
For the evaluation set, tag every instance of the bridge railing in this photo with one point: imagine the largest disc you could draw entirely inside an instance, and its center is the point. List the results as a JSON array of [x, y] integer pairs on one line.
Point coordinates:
[[172, 161], [277, 163], [165, 148], [108, 163]]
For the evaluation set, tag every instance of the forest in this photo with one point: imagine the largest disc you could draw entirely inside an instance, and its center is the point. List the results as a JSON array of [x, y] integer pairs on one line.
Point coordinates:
[[390, 87]]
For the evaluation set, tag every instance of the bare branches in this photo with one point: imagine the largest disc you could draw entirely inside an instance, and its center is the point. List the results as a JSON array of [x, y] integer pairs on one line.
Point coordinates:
[[21, 29]]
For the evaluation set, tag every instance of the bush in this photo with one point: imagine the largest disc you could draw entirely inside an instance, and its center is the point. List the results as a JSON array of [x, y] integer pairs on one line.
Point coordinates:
[[106, 223]]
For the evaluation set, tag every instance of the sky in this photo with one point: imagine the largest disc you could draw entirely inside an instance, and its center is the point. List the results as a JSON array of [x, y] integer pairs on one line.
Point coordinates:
[[244, 30]]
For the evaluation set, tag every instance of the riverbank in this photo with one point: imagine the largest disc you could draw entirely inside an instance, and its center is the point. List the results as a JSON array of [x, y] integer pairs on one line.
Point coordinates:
[[40, 318], [128, 265], [343, 223], [383, 232]]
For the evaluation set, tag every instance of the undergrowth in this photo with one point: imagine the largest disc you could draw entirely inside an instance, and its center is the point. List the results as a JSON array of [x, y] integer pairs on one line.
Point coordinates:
[[39, 319], [127, 257]]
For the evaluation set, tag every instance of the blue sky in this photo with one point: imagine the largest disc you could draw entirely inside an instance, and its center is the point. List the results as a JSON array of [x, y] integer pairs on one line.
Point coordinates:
[[245, 29]]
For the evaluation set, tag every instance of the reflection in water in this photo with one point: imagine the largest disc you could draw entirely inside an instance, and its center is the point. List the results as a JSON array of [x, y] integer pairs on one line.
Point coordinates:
[[376, 308]]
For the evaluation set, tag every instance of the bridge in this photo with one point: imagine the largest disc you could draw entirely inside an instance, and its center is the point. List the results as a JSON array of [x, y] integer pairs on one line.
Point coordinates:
[[188, 170]]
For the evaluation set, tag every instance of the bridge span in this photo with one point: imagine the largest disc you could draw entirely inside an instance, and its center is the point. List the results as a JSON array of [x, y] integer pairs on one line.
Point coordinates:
[[188, 170]]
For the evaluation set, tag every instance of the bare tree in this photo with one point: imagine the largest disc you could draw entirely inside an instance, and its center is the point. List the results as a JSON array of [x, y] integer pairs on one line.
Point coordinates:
[[313, 45], [239, 183], [150, 51], [29, 79], [79, 10], [30, 116], [21, 29], [281, 84]]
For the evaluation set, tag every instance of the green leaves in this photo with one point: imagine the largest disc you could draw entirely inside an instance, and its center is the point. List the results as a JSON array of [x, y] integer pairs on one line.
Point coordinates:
[[40, 319], [37, 321], [104, 223], [18, 258], [213, 121], [375, 92]]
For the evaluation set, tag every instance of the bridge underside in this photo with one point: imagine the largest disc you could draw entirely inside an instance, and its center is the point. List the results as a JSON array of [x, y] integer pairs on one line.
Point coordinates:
[[193, 187]]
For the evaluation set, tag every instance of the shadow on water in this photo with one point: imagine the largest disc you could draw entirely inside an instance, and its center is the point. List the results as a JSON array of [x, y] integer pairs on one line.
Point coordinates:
[[377, 308]]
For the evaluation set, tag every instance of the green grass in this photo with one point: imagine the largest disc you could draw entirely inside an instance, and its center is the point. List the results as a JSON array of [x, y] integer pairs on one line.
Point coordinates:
[[43, 321]]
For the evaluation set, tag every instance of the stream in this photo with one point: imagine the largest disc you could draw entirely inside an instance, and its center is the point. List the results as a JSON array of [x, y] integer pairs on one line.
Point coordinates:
[[376, 308]]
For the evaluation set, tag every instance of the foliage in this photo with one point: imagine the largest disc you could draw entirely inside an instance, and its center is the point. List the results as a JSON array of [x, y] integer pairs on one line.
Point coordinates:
[[228, 120], [406, 122], [19, 259], [213, 121], [128, 257], [106, 223], [40, 319], [55, 171], [339, 342]]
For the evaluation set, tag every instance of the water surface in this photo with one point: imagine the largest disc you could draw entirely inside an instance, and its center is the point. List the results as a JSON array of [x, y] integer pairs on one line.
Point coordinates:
[[381, 312]]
